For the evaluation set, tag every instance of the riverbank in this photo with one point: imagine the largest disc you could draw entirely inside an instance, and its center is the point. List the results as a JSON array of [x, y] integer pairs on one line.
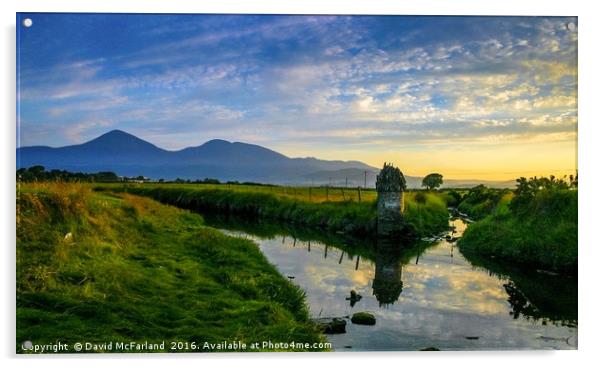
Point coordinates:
[[538, 231], [100, 267], [425, 213]]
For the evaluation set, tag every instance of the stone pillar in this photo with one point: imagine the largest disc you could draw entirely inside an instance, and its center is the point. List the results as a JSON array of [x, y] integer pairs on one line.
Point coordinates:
[[390, 185]]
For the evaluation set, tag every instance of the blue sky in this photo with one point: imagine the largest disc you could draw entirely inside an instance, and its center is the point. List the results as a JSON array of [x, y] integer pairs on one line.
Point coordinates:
[[486, 97]]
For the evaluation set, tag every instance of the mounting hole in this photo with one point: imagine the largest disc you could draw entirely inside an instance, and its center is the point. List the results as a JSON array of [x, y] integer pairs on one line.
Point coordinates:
[[27, 22], [571, 26]]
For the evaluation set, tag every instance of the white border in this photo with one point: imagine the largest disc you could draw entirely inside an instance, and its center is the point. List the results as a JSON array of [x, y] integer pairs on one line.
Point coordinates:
[[590, 119]]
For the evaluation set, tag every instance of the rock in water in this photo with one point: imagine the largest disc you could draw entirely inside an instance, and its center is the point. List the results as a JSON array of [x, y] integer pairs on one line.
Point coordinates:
[[430, 349], [363, 318], [353, 298], [332, 326], [336, 326]]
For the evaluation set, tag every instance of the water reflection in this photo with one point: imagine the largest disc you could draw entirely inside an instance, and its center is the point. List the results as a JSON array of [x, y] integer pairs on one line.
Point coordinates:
[[535, 296], [387, 284], [422, 294]]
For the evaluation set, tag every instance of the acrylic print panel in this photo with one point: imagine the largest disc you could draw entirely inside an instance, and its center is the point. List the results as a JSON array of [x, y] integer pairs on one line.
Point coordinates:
[[236, 183]]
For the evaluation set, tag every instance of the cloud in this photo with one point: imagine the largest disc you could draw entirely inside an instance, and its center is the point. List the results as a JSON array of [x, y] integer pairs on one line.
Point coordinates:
[[81, 129], [553, 102], [356, 82]]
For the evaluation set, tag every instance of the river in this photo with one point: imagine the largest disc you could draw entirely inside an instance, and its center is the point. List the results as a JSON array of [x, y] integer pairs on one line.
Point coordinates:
[[426, 295]]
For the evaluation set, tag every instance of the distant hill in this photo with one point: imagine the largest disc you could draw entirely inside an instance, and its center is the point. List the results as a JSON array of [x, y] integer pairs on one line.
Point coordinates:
[[466, 184], [128, 155], [354, 177], [115, 148]]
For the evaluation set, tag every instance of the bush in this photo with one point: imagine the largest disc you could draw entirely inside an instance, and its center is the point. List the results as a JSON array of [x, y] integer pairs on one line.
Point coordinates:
[[426, 213], [452, 198], [420, 197], [481, 201]]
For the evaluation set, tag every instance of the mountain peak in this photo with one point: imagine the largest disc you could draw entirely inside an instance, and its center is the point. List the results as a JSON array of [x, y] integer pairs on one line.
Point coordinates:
[[217, 142], [120, 141], [116, 134]]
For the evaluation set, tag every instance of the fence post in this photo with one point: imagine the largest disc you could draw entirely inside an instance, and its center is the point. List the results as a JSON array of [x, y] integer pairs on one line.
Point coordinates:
[[359, 194]]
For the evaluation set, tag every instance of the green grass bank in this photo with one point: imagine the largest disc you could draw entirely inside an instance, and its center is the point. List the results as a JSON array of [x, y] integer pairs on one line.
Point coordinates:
[[425, 213], [537, 230], [99, 267]]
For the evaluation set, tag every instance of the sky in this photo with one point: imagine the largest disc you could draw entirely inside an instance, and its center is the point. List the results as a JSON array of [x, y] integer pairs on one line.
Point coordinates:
[[468, 97]]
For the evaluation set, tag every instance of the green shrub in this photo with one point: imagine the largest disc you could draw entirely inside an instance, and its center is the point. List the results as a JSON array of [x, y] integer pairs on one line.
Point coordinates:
[[428, 217], [481, 201], [420, 197]]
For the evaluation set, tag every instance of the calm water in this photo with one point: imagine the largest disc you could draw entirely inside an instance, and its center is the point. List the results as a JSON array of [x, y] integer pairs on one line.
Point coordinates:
[[426, 296]]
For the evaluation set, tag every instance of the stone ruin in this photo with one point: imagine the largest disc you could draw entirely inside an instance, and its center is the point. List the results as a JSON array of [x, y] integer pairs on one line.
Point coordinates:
[[390, 185]]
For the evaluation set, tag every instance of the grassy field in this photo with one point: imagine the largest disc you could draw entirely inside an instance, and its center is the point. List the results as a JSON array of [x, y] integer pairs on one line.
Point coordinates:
[[541, 233], [99, 266], [314, 194], [425, 213]]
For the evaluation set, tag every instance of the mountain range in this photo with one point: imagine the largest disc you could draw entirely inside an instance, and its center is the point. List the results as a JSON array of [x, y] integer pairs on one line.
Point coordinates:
[[128, 155]]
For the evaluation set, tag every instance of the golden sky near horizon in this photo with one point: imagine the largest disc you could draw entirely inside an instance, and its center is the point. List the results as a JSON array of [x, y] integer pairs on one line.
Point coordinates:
[[487, 162]]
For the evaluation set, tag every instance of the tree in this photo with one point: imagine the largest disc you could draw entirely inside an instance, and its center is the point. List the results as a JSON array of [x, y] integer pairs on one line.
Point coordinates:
[[432, 181], [106, 177], [37, 170]]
